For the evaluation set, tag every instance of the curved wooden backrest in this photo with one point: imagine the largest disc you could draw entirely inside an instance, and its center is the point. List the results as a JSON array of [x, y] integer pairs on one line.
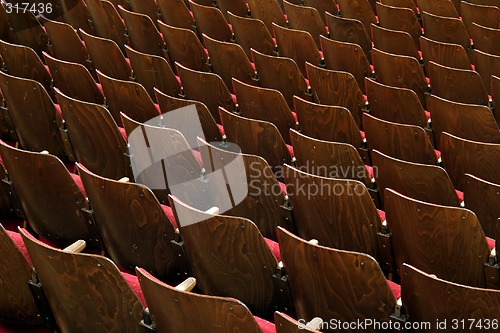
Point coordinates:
[[75, 13], [17, 304], [485, 39], [230, 61], [350, 31], [215, 93], [427, 297], [495, 95], [407, 142], [211, 22], [358, 10], [297, 45], [410, 4], [211, 131], [338, 213], [428, 183], [336, 88], [264, 203], [268, 12], [487, 16], [445, 29], [287, 324], [486, 65], [241, 264], [184, 47], [233, 8], [251, 34], [394, 41], [282, 74], [142, 33], [52, 201], [400, 71], [153, 72], [256, 137], [65, 44], [486, 2], [33, 114], [107, 23], [133, 225], [451, 55], [468, 121], [106, 56], [213, 314], [336, 284], [323, 6], [128, 97], [481, 197], [85, 292], [74, 80], [96, 140], [328, 159], [306, 19], [399, 105], [27, 29], [444, 8], [176, 13], [147, 7], [23, 62], [265, 104], [397, 18], [424, 233], [327, 122], [347, 57], [461, 156]]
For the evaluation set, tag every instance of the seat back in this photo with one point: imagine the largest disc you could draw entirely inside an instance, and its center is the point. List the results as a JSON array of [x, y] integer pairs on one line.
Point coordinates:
[[230, 61], [268, 11], [176, 13], [495, 94], [27, 29], [341, 285], [410, 4], [461, 156], [211, 22], [251, 33], [152, 71], [316, 201], [427, 297], [450, 55], [233, 7], [106, 56], [444, 8], [95, 138], [336, 88], [286, 324], [243, 272], [213, 314], [215, 93], [147, 7], [76, 13], [468, 121], [486, 65], [306, 19], [487, 16], [445, 29], [34, 116], [484, 39], [322, 6], [358, 10], [394, 42], [85, 292], [422, 234], [350, 31], [401, 19]]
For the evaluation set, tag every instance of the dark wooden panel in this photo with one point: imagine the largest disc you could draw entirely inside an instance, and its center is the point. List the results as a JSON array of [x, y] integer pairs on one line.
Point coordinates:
[[451, 55], [394, 41], [287, 324], [358, 10], [438, 7], [323, 6], [75, 13], [306, 19], [410, 4], [423, 234], [445, 29], [486, 65], [487, 16], [402, 19], [211, 22], [236, 7], [176, 13], [268, 12], [495, 95], [146, 7], [28, 30], [349, 31], [251, 34], [485, 39]]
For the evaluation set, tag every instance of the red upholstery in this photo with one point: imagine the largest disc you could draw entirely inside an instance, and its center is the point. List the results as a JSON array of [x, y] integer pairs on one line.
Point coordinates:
[[9, 328], [133, 282], [396, 289], [221, 129], [362, 134], [438, 153], [197, 155], [16, 237], [12, 223], [371, 174], [266, 326], [381, 213], [460, 195], [491, 243], [294, 116], [274, 247], [123, 132], [283, 187], [170, 213], [290, 150], [428, 115], [78, 182]]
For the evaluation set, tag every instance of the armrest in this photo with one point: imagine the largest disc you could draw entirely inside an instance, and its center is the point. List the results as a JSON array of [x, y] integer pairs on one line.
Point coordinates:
[[76, 247], [187, 285]]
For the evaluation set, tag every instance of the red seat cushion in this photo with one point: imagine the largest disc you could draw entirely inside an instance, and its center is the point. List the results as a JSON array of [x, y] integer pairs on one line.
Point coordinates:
[[460, 195], [290, 150], [396, 289], [427, 114], [16, 237], [274, 247], [491, 243], [381, 213], [371, 174], [133, 282], [438, 153], [283, 187], [170, 213], [221, 129], [265, 326], [123, 132], [295, 116], [78, 182], [11, 328]]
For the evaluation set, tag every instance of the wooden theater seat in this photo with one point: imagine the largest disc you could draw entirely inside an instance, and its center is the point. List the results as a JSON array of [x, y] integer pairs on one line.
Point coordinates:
[[76, 14], [445, 29], [74, 80], [241, 264], [251, 33], [233, 7], [406, 142], [297, 45], [214, 94], [444, 8], [53, 200], [461, 156], [330, 283], [95, 138], [230, 61], [213, 314], [486, 65], [265, 104], [427, 297], [268, 11], [485, 39], [486, 16], [400, 71], [450, 55], [422, 234], [106, 56], [346, 57], [27, 30], [256, 137], [153, 72], [184, 47], [306, 19], [410, 4], [398, 105], [468, 121], [401, 19], [394, 41], [349, 31], [176, 14], [358, 10], [287, 324], [85, 292], [323, 6], [336, 88], [35, 118], [495, 94], [211, 22], [146, 7]]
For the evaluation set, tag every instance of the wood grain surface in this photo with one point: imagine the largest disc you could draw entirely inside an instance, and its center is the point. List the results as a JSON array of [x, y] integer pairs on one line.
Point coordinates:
[[350, 31], [251, 33]]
